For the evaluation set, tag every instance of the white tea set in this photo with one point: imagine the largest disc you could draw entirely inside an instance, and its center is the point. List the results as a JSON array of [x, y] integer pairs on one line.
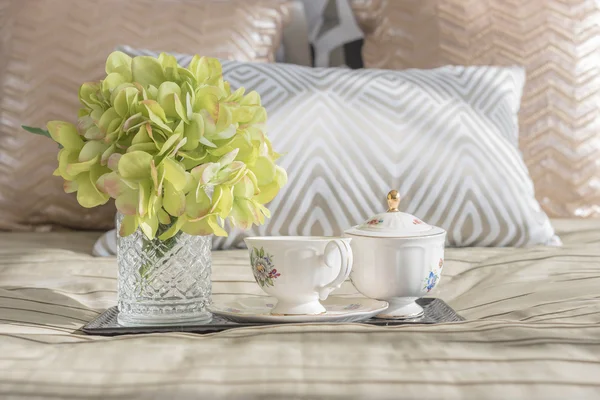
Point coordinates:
[[393, 259]]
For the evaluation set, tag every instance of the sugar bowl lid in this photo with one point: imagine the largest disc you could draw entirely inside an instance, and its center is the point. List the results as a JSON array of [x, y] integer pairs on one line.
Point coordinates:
[[394, 223]]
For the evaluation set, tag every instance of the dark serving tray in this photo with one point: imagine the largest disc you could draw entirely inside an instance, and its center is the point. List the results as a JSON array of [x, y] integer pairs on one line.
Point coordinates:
[[436, 311]]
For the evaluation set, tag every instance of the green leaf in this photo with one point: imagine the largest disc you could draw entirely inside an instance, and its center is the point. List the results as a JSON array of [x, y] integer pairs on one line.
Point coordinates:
[[39, 131], [262, 252]]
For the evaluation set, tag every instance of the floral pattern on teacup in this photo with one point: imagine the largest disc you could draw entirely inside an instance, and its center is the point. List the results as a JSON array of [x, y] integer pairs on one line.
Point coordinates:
[[353, 306], [417, 221], [233, 310], [263, 268], [375, 221]]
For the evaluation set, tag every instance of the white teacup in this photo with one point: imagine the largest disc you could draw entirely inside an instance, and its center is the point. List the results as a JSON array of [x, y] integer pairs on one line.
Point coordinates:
[[299, 270]]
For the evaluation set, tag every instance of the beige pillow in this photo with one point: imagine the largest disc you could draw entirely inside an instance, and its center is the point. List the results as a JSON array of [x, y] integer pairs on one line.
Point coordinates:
[[50, 47], [556, 42]]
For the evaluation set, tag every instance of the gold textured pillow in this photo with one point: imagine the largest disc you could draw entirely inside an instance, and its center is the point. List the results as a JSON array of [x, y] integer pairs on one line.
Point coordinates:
[[558, 44], [48, 48]]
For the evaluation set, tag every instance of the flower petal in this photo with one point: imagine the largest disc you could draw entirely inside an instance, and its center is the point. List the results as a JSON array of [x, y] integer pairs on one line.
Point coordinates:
[[65, 134], [199, 227], [264, 169], [135, 165], [111, 184], [107, 119], [113, 161], [229, 157], [129, 225], [197, 206], [163, 217], [169, 144], [116, 60], [70, 186], [245, 188], [127, 201], [143, 198], [216, 228], [193, 132], [92, 149], [78, 168], [176, 227], [205, 173], [168, 94], [175, 174], [149, 225], [88, 195], [173, 200], [156, 114], [147, 71], [65, 158], [224, 194]]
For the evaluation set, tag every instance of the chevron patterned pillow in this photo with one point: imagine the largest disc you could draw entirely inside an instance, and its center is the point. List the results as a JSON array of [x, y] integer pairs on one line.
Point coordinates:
[[558, 44], [446, 138]]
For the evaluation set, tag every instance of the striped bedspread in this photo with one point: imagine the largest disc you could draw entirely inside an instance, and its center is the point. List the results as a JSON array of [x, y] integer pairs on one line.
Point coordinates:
[[532, 332]]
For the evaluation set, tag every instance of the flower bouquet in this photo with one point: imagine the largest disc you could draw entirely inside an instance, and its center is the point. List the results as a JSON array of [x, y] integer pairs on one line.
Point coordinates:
[[178, 151]]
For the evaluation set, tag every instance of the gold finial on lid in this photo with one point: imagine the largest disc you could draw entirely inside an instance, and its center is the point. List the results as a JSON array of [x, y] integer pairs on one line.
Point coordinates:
[[393, 200]]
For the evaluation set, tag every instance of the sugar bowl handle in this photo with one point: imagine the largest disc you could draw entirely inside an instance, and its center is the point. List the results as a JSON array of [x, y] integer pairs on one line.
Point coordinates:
[[393, 200]]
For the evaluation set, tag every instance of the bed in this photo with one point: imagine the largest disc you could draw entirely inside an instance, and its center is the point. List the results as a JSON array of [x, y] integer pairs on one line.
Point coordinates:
[[532, 330]]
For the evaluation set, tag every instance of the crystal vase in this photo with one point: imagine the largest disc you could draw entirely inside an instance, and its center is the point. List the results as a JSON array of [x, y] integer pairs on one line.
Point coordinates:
[[163, 282]]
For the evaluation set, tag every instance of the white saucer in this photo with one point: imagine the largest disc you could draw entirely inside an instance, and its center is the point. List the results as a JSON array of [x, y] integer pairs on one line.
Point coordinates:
[[258, 309]]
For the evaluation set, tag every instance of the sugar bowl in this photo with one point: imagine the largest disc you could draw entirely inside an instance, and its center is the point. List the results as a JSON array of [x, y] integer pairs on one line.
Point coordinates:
[[397, 258]]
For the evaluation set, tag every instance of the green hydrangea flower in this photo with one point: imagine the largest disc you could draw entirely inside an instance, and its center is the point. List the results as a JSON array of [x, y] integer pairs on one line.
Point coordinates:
[[154, 136]]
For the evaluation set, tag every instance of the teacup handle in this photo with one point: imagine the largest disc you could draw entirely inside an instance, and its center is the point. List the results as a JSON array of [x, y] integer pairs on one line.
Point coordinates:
[[346, 265]]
